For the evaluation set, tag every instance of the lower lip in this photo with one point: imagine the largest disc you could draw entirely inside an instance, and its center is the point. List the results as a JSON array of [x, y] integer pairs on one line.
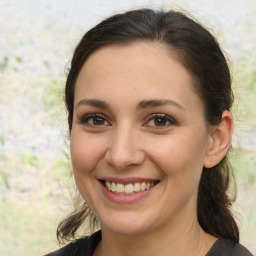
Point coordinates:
[[126, 199]]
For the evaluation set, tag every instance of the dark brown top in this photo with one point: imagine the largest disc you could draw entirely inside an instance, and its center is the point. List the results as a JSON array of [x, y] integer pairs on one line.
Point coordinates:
[[86, 247]]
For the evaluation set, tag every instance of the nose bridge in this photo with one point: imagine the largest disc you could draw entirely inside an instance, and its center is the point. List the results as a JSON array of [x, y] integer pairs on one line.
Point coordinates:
[[124, 148]]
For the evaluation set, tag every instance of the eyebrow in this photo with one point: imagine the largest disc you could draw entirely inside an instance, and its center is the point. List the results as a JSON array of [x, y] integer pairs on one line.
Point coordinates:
[[157, 103], [94, 103], [141, 105]]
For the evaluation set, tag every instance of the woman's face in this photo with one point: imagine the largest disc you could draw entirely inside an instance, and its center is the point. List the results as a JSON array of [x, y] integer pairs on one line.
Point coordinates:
[[139, 138]]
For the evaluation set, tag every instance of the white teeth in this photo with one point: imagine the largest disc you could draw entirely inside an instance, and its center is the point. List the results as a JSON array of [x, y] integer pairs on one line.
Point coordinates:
[[136, 187], [119, 188], [113, 187], [128, 189], [143, 186], [108, 185]]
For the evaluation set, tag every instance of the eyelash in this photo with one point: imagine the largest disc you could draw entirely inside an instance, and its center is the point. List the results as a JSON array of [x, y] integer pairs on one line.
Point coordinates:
[[93, 117], [167, 119], [171, 121]]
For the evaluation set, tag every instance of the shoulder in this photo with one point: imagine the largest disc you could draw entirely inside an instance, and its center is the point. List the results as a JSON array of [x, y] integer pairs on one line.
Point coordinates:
[[84, 247], [224, 247]]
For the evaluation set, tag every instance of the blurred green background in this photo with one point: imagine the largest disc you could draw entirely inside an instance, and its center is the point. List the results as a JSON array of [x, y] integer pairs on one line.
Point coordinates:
[[37, 40]]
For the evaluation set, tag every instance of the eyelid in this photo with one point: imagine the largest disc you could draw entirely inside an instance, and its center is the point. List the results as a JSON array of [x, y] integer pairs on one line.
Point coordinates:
[[84, 119], [170, 119]]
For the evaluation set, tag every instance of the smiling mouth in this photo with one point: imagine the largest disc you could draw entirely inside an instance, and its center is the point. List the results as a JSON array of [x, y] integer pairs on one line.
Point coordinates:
[[129, 189]]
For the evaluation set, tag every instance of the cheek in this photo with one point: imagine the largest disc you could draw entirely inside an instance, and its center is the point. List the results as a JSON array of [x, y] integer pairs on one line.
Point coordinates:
[[85, 156], [85, 153], [179, 154]]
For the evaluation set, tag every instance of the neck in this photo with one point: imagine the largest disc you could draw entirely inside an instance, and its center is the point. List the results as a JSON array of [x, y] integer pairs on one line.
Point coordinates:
[[179, 240]]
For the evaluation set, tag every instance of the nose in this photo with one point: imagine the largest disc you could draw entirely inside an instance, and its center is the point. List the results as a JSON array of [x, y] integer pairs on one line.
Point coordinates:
[[124, 151]]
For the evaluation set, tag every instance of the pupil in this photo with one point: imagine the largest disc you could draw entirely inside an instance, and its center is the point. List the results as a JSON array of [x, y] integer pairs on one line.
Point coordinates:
[[98, 121], [160, 121]]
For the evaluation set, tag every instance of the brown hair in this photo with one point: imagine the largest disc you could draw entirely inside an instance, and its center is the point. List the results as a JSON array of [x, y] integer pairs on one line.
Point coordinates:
[[199, 52]]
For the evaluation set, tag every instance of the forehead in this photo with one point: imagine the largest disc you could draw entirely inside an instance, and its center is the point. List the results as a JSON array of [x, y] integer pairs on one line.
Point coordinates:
[[148, 55], [147, 69]]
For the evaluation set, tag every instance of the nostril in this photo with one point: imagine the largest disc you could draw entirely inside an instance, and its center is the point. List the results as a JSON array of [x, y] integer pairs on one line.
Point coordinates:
[[122, 158]]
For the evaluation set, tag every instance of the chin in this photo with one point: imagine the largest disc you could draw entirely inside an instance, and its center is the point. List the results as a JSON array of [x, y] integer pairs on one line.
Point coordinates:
[[127, 225], [126, 230]]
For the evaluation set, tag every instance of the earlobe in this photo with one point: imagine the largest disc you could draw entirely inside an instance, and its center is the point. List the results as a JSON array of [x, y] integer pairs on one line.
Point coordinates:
[[220, 140]]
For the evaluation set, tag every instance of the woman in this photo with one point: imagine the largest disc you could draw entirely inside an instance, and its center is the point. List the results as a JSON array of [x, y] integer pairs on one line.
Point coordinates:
[[148, 98]]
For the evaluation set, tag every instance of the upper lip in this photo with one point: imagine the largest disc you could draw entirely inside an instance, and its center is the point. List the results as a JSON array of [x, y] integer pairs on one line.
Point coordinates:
[[127, 180]]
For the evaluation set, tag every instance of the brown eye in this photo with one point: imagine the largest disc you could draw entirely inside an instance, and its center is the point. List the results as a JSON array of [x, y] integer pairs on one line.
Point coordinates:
[[160, 121], [95, 120], [98, 121]]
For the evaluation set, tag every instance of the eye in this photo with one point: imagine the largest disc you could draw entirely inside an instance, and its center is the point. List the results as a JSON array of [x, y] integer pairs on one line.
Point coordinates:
[[160, 121], [95, 120]]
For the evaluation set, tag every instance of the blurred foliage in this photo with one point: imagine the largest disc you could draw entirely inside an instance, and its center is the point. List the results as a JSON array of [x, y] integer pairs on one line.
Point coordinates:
[[244, 163], [62, 168], [28, 160], [52, 94], [2, 141], [48, 96], [4, 64], [245, 90], [25, 230]]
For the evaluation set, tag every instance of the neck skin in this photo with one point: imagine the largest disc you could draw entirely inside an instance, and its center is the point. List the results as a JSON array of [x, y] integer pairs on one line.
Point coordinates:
[[185, 238]]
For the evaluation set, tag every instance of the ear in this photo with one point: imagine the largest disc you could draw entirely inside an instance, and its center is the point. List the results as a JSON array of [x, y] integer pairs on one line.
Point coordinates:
[[219, 141]]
